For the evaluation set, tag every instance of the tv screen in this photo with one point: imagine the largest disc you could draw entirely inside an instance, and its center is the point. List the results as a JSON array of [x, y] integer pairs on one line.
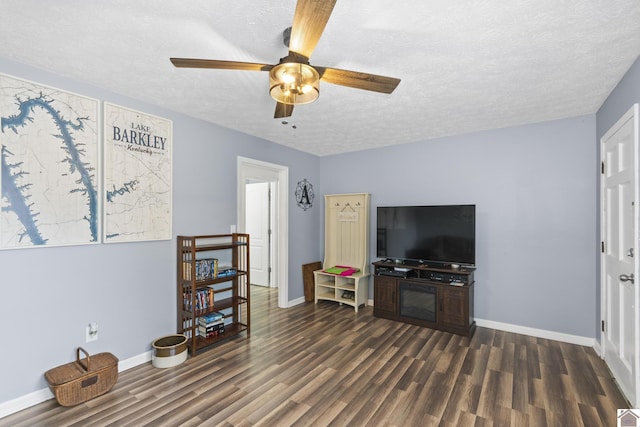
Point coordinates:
[[438, 234]]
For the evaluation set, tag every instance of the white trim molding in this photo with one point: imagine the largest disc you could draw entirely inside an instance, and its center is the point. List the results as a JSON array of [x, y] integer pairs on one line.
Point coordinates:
[[269, 172], [539, 333], [23, 402]]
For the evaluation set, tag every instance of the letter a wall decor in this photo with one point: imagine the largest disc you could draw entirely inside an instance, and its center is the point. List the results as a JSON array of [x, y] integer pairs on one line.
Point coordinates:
[[49, 192], [137, 175]]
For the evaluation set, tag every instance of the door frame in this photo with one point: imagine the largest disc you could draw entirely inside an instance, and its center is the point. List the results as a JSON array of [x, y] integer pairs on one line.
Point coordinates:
[[251, 169], [632, 114]]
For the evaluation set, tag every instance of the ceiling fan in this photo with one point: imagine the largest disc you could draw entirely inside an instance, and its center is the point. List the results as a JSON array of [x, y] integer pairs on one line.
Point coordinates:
[[293, 81]]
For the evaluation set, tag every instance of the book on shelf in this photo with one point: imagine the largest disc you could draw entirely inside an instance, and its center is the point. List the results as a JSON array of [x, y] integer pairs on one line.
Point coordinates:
[[342, 270], [211, 327], [203, 299], [186, 270], [211, 317], [206, 268], [212, 331], [227, 271], [211, 324], [211, 335]]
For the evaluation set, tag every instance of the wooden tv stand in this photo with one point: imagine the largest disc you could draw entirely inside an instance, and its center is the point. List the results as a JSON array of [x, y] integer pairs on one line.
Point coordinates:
[[451, 291]]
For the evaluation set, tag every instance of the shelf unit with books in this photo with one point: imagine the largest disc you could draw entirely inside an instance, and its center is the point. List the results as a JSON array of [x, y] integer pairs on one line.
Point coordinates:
[[213, 288]]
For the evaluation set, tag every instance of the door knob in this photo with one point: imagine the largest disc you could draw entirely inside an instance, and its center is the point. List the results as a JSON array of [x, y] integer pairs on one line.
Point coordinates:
[[630, 253], [627, 278]]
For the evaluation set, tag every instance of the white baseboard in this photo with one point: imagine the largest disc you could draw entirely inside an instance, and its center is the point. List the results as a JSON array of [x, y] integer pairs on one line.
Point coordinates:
[[539, 333], [598, 349], [297, 301], [134, 361], [18, 404]]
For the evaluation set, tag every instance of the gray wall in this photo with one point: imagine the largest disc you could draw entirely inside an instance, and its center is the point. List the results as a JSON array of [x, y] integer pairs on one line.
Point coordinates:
[[48, 295], [534, 187]]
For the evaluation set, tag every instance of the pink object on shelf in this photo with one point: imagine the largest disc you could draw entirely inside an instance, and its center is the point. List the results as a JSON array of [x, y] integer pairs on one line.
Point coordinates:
[[342, 270]]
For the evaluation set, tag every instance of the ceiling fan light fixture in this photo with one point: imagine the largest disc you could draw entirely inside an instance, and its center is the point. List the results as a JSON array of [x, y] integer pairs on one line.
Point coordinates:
[[294, 83]]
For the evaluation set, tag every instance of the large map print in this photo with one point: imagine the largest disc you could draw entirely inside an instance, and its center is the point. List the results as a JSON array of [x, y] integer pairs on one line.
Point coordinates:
[[137, 164], [49, 157]]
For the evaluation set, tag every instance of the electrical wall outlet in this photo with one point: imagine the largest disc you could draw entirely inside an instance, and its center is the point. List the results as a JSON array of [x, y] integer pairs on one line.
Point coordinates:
[[233, 228], [92, 332]]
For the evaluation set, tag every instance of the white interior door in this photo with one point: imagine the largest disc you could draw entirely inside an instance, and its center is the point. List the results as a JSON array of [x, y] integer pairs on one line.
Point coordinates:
[[251, 170], [619, 228], [257, 225]]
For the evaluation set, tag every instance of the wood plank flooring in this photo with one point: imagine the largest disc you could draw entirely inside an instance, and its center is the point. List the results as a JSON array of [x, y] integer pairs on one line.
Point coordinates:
[[325, 365]]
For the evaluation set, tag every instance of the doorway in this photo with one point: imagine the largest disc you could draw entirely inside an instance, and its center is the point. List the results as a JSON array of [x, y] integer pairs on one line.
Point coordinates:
[[258, 225], [251, 171], [619, 227]]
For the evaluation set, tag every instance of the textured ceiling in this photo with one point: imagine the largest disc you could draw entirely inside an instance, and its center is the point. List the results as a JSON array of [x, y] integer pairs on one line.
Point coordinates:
[[465, 65]]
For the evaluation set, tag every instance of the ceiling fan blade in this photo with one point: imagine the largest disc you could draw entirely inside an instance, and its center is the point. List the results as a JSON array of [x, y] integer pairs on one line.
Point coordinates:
[[309, 20], [358, 80], [283, 110], [223, 65]]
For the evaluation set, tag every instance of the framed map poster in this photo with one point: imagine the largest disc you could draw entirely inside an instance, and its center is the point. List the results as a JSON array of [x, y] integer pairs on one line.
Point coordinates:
[[137, 175], [49, 141]]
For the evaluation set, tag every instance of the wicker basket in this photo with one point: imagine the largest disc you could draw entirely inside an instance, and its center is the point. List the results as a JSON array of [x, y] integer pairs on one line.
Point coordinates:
[[79, 381]]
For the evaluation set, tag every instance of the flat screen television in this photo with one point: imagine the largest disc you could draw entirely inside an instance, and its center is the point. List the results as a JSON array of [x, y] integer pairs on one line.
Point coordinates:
[[444, 234]]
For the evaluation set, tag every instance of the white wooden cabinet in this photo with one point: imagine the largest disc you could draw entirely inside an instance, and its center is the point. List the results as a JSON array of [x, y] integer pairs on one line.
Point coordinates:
[[346, 243], [351, 290]]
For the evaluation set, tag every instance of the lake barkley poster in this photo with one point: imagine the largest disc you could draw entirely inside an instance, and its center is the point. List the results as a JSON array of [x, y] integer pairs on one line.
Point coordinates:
[[137, 175]]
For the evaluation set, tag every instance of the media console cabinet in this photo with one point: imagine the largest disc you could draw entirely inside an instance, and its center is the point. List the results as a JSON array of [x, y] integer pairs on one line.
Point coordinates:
[[436, 297]]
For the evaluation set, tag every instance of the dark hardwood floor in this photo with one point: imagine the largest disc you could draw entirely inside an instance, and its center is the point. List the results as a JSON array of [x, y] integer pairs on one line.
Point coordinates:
[[320, 365]]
